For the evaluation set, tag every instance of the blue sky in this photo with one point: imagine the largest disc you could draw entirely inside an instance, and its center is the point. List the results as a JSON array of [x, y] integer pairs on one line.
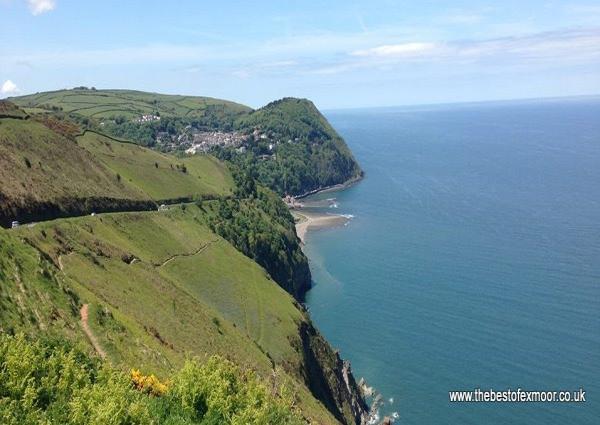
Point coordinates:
[[337, 53]]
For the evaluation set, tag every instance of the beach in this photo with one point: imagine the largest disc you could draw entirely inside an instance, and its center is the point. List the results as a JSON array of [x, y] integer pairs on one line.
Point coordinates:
[[306, 221]]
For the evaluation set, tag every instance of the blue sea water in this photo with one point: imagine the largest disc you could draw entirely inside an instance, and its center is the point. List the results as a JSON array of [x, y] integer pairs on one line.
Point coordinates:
[[472, 260]]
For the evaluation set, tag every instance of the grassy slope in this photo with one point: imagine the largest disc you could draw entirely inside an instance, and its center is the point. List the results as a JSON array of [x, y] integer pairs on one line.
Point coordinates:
[[158, 175], [57, 166], [144, 314], [129, 103], [189, 292], [39, 166], [10, 110], [34, 296]]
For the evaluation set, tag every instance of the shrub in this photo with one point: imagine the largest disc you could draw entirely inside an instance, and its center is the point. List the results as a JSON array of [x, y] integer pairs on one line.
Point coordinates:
[[48, 382], [149, 384]]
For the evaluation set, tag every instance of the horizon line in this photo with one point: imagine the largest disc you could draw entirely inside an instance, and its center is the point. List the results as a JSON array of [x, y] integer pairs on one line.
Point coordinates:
[[466, 102]]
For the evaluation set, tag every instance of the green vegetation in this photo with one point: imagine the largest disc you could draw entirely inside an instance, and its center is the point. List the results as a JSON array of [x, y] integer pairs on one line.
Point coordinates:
[[49, 381], [34, 296], [306, 152], [261, 227], [149, 289], [105, 104], [309, 154], [47, 174], [157, 175], [115, 111], [161, 284]]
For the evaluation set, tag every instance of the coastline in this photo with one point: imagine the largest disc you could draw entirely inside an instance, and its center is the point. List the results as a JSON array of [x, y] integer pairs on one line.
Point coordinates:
[[340, 186], [313, 221], [308, 221]]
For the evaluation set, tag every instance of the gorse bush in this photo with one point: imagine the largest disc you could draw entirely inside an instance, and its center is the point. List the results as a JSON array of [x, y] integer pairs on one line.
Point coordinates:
[[148, 384], [44, 382]]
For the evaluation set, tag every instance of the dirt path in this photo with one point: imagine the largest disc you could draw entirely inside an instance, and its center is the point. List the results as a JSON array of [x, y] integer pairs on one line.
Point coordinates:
[[88, 331]]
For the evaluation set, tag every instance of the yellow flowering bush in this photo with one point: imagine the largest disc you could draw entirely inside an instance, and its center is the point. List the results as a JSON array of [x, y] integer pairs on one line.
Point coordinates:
[[148, 384]]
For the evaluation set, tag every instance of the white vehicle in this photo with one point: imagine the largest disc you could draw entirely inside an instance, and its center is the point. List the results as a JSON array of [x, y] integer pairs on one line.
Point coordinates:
[[14, 224]]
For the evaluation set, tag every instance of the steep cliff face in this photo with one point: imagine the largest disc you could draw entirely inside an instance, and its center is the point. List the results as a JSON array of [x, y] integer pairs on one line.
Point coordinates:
[[330, 378]]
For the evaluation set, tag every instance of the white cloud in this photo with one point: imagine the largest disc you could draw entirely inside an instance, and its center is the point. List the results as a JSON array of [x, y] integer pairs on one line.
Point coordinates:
[[9, 88], [573, 47], [37, 7], [394, 50]]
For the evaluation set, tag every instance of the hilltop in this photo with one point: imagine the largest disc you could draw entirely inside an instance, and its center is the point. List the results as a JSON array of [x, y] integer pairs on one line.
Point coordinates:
[[287, 145], [103, 104], [304, 152], [218, 270]]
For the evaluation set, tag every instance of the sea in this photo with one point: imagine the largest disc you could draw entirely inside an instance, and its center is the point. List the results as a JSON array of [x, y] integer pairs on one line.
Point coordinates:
[[471, 260]]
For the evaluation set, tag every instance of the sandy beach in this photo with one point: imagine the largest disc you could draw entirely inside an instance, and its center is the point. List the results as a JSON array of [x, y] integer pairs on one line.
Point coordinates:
[[306, 221]]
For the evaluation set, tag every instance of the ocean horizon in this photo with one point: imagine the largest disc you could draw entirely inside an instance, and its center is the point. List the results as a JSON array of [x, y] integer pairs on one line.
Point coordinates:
[[472, 259]]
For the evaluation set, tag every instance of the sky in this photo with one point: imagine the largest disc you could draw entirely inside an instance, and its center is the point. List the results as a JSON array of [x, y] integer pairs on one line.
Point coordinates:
[[340, 54]]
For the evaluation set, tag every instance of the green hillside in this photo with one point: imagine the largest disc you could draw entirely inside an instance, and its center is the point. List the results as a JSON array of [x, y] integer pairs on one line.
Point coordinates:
[[157, 175], [308, 153], [45, 174], [289, 146], [219, 271], [161, 285], [51, 382]]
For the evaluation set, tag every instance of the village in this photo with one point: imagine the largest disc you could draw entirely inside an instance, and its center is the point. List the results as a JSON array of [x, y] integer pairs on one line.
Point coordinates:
[[203, 141], [194, 141]]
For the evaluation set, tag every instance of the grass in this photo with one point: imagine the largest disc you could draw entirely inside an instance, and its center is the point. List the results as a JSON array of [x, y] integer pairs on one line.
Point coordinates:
[[129, 103], [34, 296], [10, 110], [42, 170], [38, 164], [188, 292], [158, 175]]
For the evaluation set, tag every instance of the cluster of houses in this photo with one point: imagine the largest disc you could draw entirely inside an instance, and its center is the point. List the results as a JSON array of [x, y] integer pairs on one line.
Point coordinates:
[[203, 141], [193, 140], [147, 118]]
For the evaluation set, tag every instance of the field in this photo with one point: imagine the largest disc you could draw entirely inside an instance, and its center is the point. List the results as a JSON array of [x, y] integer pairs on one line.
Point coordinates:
[[104, 104]]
